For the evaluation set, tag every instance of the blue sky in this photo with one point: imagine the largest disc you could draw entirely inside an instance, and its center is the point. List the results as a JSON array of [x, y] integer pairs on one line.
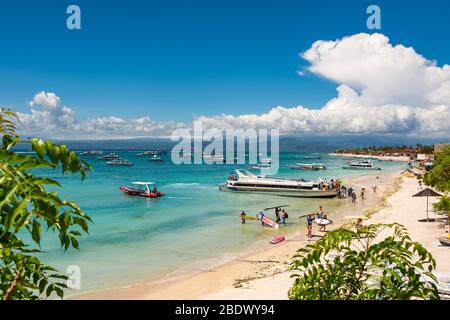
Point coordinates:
[[176, 59]]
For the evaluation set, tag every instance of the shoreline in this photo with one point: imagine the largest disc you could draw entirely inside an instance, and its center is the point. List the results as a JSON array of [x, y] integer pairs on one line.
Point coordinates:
[[367, 156], [244, 267]]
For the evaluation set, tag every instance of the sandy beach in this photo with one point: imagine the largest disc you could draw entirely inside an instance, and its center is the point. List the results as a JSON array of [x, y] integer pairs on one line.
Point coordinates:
[[264, 274]]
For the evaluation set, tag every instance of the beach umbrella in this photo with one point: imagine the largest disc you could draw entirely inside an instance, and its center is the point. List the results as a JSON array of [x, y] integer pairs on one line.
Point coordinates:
[[427, 192]]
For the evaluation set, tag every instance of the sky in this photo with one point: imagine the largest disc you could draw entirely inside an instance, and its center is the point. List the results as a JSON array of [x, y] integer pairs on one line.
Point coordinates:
[[144, 68]]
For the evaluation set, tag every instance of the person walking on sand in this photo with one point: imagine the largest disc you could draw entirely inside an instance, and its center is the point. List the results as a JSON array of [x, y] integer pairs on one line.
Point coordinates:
[[358, 224], [363, 193], [309, 223], [243, 215], [284, 216], [323, 226], [374, 189], [353, 197]]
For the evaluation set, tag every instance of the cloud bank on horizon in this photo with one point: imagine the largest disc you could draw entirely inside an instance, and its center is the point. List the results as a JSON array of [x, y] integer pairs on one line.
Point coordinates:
[[382, 89]]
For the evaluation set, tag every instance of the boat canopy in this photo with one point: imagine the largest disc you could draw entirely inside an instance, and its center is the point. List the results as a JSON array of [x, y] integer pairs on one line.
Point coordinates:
[[242, 173], [143, 183]]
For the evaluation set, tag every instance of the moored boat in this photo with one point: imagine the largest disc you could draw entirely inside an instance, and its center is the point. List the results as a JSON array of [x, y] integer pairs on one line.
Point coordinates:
[[149, 153], [120, 163], [361, 165], [155, 159], [142, 189], [250, 183], [111, 156], [91, 153], [309, 166]]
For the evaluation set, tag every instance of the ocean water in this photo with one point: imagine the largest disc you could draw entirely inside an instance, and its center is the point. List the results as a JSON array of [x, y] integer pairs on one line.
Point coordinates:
[[194, 225]]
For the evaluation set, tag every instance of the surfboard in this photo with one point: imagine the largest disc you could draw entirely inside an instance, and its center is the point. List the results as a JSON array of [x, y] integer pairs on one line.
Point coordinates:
[[282, 206], [277, 239], [248, 218], [322, 221], [267, 221]]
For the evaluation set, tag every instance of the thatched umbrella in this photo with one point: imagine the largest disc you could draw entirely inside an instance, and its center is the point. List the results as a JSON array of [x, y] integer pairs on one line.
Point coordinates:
[[427, 192]]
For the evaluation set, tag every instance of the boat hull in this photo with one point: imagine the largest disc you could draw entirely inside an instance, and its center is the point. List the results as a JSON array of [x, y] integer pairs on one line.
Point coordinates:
[[137, 193], [280, 192]]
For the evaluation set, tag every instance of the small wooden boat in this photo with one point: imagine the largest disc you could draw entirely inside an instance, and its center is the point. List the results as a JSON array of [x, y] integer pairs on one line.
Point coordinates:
[[142, 189]]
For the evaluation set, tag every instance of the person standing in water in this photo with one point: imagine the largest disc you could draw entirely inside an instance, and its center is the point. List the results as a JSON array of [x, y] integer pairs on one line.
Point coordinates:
[[277, 214], [284, 216], [262, 216], [320, 213], [243, 215], [309, 223]]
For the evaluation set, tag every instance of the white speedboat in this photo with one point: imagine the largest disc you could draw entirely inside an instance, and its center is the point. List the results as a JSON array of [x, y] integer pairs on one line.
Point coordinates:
[[150, 153], [250, 183], [111, 156], [361, 165], [119, 163]]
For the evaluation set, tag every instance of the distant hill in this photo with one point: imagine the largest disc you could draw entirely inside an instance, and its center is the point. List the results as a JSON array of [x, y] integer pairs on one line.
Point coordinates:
[[291, 143]]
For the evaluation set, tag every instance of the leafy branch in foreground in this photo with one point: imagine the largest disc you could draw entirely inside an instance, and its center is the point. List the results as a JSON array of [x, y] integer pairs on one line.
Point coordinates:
[[26, 206], [378, 261]]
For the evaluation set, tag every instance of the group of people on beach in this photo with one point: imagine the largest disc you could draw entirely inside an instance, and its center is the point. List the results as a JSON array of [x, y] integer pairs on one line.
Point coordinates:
[[280, 214], [320, 214]]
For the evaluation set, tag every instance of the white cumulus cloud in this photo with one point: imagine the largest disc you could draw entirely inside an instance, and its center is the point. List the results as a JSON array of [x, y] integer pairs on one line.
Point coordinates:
[[381, 88], [47, 118]]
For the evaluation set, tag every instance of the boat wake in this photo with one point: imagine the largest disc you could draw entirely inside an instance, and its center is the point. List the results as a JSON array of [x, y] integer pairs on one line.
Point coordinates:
[[182, 184]]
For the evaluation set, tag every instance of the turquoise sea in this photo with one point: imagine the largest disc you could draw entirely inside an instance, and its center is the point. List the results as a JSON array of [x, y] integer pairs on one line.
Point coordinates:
[[135, 239]]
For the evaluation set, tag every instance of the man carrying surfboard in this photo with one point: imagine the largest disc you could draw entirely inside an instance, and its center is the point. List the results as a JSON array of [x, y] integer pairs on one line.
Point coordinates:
[[243, 216]]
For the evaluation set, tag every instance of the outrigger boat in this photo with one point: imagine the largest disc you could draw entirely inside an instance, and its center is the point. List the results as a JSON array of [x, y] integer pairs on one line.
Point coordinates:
[[249, 183], [142, 189], [307, 166]]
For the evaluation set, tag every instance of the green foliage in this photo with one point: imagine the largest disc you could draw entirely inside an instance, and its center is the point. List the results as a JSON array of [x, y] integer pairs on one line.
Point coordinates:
[[26, 206], [352, 265], [7, 118], [439, 174], [374, 150], [443, 205]]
